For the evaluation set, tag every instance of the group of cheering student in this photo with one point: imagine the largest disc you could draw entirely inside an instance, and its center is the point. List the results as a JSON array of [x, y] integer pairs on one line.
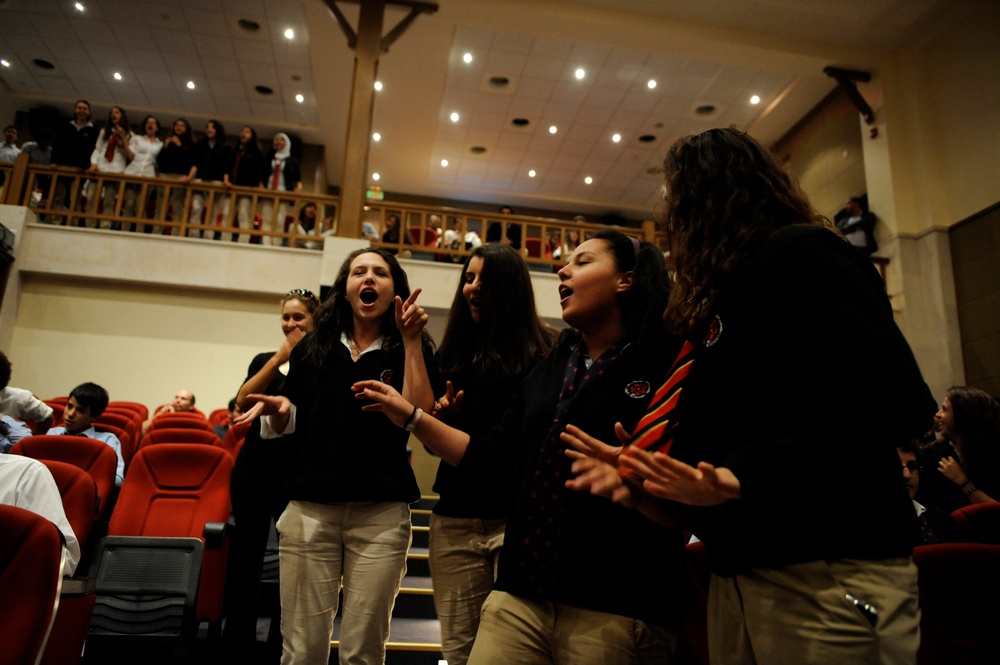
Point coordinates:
[[713, 396], [118, 147]]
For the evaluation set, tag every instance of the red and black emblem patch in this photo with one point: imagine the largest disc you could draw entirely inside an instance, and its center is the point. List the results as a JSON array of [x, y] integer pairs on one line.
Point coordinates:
[[386, 377], [713, 332], [637, 389]]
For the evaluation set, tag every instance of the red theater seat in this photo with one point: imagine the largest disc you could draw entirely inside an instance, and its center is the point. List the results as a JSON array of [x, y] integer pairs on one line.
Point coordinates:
[[180, 435], [91, 455], [979, 523]]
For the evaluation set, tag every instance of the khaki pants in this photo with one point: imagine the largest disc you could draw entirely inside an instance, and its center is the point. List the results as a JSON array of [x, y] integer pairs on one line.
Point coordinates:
[[801, 614], [530, 632], [463, 558], [360, 546]]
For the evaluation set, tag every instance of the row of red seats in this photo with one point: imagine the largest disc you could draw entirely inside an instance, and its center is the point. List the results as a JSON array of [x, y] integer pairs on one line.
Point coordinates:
[[178, 494]]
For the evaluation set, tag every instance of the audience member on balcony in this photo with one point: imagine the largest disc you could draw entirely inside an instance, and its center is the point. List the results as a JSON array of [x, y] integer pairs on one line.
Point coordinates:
[[145, 149], [22, 404], [258, 482], [565, 571], [782, 446], [495, 231], [28, 483], [281, 172], [391, 233], [309, 236], [111, 155], [176, 161], [248, 161], [493, 339], [86, 403], [964, 467], [458, 238], [858, 226], [347, 524], [935, 525], [213, 159], [73, 146], [572, 241], [39, 153], [8, 150]]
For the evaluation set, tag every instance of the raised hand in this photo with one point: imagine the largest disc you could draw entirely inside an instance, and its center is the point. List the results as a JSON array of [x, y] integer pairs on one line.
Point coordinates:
[[952, 470], [264, 405], [293, 337], [450, 403], [384, 398], [410, 317], [667, 478], [588, 446]]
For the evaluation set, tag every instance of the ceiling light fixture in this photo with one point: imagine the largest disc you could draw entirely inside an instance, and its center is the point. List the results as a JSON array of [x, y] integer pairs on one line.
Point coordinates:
[[289, 33], [378, 85], [553, 129], [454, 116], [651, 84], [190, 85], [755, 100], [616, 137], [376, 137], [444, 162], [376, 176], [118, 76], [467, 58], [4, 63], [588, 180], [531, 173], [580, 73], [79, 6], [300, 98]]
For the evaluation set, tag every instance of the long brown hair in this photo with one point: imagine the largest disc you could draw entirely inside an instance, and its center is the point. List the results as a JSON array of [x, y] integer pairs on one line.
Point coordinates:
[[724, 196]]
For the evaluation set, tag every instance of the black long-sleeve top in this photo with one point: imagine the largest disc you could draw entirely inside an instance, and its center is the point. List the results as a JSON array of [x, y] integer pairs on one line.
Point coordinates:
[[599, 540], [213, 162], [73, 146], [804, 389], [483, 495], [176, 159], [347, 454]]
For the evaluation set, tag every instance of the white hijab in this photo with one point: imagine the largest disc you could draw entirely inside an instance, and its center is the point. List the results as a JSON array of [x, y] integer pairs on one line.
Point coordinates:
[[285, 152]]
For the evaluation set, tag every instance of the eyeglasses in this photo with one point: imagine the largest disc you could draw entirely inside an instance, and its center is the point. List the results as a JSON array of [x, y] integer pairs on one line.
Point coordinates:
[[300, 293], [912, 466]]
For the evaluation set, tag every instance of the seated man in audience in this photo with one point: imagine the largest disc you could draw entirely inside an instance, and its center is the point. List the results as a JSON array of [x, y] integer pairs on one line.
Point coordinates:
[[27, 483], [936, 525], [11, 431], [21, 404], [183, 402], [86, 403], [234, 411]]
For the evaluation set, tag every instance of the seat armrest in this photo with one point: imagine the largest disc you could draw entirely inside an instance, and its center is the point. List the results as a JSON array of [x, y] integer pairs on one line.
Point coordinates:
[[77, 586], [214, 533]]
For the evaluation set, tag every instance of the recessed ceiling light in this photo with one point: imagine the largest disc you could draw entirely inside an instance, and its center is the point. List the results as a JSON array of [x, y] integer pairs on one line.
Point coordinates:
[[588, 180], [651, 83], [79, 6], [289, 33], [190, 85], [454, 116], [378, 85], [4, 63], [248, 24], [444, 162], [467, 58], [376, 137], [553, 129], [42, 64], [580, 73], [531, 173], [376, 176], [755, 100], [262, 89], [300, 98], [118, 76], [616, 138]]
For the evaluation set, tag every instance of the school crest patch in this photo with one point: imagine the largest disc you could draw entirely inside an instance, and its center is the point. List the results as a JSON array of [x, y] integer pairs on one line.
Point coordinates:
[[386, 377], [637, 389], [713, 332]]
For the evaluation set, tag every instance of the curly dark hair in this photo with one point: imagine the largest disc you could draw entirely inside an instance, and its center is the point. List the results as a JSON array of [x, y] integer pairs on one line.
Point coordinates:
[[724, 196], [509, 338], [641, 305], [335, 317], [5, 370], [976, 416]]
